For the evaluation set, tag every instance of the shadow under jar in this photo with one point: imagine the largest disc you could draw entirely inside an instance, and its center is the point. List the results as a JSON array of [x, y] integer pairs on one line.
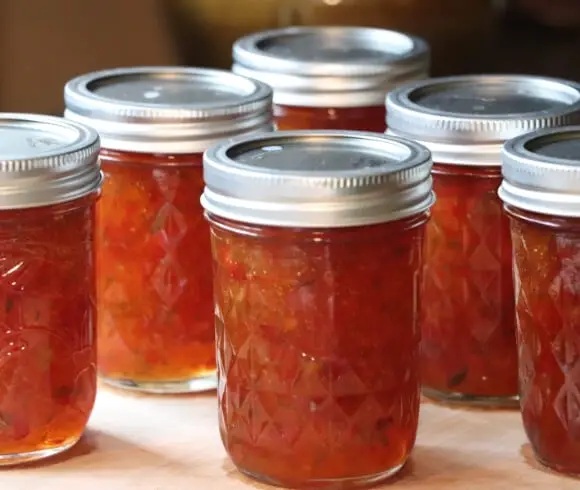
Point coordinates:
[[541, 192], [155, 297], [317, 242], [49, 184], [469, 351], [331, 77]]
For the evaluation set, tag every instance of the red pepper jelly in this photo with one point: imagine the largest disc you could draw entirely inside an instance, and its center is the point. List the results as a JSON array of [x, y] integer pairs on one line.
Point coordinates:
[[331, 77], [49, 183], [469, 351], [541, 192], [317, 241], [155, 297]]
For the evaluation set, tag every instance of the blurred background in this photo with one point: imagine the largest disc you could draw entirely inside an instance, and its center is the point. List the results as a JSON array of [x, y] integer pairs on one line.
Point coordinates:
[[44, 43]]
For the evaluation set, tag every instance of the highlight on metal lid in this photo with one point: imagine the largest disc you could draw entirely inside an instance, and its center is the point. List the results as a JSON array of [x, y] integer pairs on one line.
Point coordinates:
[[467, 119], [331, 66], [168, 109], [46, 160], [542, 172], [316, 179]]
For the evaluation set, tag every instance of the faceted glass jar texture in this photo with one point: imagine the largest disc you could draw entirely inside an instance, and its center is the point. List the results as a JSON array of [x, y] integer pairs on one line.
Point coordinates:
[[547, 284], [155, 300], [47, 328], [468, 329], [318, 345]]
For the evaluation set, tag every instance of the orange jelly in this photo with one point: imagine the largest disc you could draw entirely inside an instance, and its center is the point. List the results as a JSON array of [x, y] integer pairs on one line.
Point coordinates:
[[348, 118], [468, 289], [468, 351], [541, 190], [156, 322], [331, 77], [49, 183], [317, 303], [155, 297]]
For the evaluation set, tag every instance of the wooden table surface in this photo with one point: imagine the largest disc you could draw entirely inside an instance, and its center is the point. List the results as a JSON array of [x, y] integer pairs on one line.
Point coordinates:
[[172, 443]]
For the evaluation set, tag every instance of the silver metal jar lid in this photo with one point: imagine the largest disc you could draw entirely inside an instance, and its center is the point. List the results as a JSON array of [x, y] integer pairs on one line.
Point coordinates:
[[313, 179], [46, 160], [331, 66], [466, 120], [168, 110], [542, 172]]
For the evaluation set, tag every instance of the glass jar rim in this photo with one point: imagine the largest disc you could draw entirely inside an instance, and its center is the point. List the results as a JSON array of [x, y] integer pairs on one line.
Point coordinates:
[[331, 66], [157, 109], [317, 179], [542, 176], [46, 160]]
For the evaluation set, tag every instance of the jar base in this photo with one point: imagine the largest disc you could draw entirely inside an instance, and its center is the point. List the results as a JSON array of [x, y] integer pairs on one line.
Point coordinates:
[[461, 399], [560, 469], [32, 456], [330, 483], [199, 384]]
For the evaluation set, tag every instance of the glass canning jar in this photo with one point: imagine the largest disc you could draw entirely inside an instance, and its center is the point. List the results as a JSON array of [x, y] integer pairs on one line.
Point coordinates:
[[155, 297], [331, 77], [469, 351], [49, 183], [541, 192], [317, 242]]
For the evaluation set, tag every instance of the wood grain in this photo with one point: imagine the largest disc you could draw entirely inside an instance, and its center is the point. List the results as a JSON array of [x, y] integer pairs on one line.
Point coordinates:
[[159, 443]]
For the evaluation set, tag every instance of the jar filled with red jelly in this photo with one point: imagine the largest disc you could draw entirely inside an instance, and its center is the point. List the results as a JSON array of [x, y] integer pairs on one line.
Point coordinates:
[[155, 297], [317, 241], [469, 353], [49, 184], [541, 192], [331, 77]]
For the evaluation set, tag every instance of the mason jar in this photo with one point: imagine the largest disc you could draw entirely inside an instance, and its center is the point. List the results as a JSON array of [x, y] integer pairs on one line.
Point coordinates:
[[541, 192], [469, 351], [49, 183], [317, 242], [155, 297], [331, 77]]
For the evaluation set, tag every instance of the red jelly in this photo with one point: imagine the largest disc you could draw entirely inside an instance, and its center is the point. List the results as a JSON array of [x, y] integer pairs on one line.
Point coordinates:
[[467, 321], [542, 195], [331, 77], [467, 290], [155, 297], [317, 243], [49, 184], [353, 118], [156, 310]]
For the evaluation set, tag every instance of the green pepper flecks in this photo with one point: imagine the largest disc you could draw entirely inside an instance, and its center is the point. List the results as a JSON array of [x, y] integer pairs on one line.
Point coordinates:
[[9, 305], [457, 378], [158, 222], [382, 426]]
